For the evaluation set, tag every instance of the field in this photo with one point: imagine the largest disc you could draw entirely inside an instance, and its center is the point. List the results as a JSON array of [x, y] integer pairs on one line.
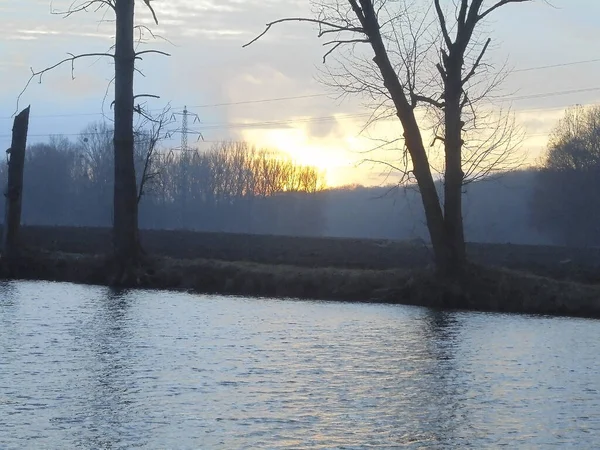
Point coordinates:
[[578, 264]]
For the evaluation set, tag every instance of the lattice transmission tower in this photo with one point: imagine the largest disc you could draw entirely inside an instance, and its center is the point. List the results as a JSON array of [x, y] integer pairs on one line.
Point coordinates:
[[185, 127], [184, 130]]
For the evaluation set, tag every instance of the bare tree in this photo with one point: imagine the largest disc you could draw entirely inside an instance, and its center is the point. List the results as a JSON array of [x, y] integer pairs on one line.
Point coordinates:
[[149, 133], [431, 63], [126, 244], [566, 204]]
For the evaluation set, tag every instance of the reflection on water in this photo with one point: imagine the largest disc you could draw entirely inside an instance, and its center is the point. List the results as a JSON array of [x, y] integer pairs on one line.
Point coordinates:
[[87, 367], [107, 335]]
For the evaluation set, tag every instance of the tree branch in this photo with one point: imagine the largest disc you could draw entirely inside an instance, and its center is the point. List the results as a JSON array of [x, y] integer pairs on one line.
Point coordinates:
[[159, 52], [441, 70], [498, 5], [138, 109], [337, 43], [104, 99], [84, 6], [143, 28], [462, 13], [443, 26], [477, 62], [384, 163], [358, 11], [156, 134], [437, 138], [71, 59], [332, 26], [424, 99], [145, 95], [147, 2]]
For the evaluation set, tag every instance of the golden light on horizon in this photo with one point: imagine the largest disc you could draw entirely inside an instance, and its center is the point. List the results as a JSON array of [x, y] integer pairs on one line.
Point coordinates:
[[339, 150], [326, 156]]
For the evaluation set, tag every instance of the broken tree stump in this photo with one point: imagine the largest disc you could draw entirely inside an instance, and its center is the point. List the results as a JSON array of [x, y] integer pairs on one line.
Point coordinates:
[[14, 188]]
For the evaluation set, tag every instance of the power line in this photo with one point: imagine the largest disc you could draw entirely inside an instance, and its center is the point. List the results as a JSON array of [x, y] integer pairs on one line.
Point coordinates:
[[227, 125], [297, 97], [552, 94], [210, 105], [554, 108], [276, 99], [264, 100], [552, 66], [319, 119]]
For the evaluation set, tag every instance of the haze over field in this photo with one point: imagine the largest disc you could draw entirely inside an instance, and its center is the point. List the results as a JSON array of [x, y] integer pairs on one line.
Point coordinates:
[[223, 83]]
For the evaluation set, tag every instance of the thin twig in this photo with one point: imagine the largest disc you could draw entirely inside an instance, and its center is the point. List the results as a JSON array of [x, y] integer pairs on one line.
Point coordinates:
[[159, 52], [147, 2], [330, 25], [71, 59]]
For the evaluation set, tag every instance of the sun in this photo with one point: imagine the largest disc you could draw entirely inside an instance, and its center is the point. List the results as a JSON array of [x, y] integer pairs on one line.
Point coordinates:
[[332, 157]]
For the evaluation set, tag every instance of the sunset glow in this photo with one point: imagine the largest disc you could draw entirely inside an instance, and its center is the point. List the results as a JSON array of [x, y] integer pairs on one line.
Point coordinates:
[[272, 82], [327, 156]]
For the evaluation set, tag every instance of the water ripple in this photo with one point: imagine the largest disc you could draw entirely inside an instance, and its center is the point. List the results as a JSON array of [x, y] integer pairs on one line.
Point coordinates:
[[87, 367]]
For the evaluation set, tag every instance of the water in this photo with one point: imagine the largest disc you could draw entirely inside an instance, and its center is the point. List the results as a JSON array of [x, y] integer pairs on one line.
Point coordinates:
[[86, 367]]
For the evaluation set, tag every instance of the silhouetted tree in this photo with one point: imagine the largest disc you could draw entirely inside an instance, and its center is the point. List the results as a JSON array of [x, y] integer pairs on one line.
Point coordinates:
[[69, 183], [126, 245], [566, 202], [53, 193], [410, 68]]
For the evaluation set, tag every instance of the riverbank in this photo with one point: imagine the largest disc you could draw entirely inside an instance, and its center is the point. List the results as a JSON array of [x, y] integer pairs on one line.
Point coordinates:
[[574, 264], [485, 289]]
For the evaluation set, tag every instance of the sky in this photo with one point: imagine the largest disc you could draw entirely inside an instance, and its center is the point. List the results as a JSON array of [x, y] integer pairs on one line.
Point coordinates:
[[270, 93]]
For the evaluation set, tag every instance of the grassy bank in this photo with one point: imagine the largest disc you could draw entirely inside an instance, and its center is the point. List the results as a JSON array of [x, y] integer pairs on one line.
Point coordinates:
[[485, 289]]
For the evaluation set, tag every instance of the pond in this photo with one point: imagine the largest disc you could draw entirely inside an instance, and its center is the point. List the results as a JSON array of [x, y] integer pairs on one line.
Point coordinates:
[[89, 367]]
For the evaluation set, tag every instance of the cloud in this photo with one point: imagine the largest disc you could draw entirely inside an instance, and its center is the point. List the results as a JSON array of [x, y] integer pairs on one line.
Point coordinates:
[[325, 128], [208, 66], [541, 121]]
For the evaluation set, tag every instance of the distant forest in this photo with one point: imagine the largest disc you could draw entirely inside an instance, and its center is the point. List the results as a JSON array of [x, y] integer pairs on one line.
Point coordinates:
[[236, 188]]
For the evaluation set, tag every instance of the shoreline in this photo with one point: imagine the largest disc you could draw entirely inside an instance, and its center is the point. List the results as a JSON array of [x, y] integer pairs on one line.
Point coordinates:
[[485, 289]]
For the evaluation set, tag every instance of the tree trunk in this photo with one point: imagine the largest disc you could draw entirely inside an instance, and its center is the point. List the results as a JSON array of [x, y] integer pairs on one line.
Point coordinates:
[[429, 196], [413, 140], [453, 182], [14, 189], [125, 221]]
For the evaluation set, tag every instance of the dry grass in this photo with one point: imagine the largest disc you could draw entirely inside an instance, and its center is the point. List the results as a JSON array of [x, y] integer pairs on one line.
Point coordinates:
[[371, 254], [509, 290], [486, 289]]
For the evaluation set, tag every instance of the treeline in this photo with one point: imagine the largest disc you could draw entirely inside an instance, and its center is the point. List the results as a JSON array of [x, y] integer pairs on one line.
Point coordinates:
[[234, 187], [566, 201], [496, 210], [231, 187]]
